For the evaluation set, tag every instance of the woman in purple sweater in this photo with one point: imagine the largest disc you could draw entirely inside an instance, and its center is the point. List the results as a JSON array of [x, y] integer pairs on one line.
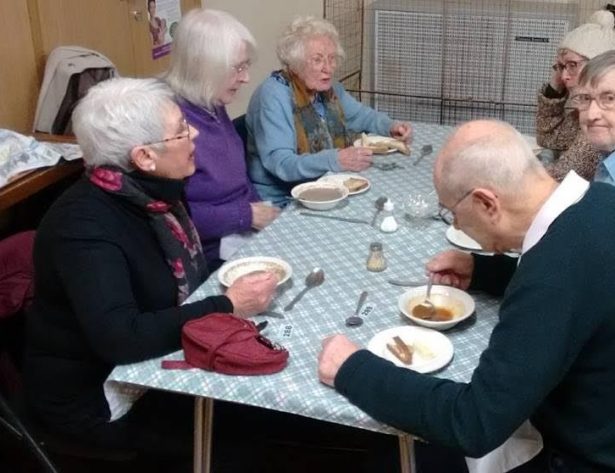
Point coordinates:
[[211, 57]]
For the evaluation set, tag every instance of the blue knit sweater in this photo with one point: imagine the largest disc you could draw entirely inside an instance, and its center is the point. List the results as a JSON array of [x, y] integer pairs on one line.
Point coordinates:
[[274, 165], [551, 357]]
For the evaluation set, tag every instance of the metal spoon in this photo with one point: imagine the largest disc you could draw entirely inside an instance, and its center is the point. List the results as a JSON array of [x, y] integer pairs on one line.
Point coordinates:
[[315, 278], [355, 320], [425, 150], [426, 307], [380, 201]]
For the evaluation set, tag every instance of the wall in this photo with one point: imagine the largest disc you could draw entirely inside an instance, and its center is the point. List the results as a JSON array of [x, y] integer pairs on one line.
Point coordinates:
[[265, 19]]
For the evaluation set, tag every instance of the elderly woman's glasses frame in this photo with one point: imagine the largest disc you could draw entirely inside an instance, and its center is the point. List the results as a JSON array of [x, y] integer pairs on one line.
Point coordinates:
[[571, 66], [319, 60], [241, 68], [604, 100], [448, 215], [180, 136]]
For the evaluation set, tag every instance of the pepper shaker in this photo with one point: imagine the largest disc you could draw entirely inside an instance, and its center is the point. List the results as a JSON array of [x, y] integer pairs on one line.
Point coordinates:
[[376, 260]]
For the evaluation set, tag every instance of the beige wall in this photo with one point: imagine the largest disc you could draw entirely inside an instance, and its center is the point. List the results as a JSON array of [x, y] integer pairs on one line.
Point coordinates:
[[265, 19]]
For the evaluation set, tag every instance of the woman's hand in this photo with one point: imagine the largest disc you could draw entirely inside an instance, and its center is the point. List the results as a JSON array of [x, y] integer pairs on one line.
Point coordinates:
[[556, 82], [452, 268], [355, 159], [401, 131], [251, 294], [263, 214]]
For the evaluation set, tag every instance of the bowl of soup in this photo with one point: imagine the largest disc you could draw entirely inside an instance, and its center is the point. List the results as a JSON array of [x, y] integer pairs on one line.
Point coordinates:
[[320, 195], [451, 305]]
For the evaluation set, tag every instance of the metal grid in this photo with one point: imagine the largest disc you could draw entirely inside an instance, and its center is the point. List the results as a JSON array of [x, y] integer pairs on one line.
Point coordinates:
[[447, 61]]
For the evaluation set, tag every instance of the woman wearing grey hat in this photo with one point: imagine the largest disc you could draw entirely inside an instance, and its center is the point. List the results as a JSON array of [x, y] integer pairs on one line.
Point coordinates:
[[557, 127]]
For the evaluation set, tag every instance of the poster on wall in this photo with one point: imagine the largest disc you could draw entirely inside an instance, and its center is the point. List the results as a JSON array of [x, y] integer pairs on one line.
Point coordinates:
[[163, 15]]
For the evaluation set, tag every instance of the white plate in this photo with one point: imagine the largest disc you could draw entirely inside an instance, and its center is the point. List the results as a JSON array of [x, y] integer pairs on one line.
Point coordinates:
[[341, 177], [460, 239], [230, 271], [357, 143], [435, 342]]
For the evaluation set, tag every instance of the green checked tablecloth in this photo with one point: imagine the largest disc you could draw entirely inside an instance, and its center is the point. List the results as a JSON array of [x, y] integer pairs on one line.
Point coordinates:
[[341, 249]]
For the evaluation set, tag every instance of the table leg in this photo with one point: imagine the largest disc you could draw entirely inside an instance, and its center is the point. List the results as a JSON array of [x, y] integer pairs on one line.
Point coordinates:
[[406, 453], [203, 421]]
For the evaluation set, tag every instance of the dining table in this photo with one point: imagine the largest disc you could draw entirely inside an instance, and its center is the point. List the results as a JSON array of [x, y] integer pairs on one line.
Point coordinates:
[[340, 249]]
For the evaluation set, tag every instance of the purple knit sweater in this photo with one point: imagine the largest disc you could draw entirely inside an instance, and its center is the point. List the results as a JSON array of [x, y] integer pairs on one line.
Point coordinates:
[[219, 193]]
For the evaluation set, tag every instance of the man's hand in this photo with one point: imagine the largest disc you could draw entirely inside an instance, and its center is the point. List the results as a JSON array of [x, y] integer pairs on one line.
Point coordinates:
[[452, 268], [251, 294], [355, 159], [336, 349]]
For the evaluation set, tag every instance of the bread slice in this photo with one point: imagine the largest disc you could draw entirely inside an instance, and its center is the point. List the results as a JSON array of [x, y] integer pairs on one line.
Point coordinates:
[[382, 144], [355, 185]]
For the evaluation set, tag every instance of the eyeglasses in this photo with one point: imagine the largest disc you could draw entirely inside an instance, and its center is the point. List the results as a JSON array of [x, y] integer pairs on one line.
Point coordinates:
[[243, 67], [604, 100], [571, 66], [318, 61], [183, 134], [448, 215]]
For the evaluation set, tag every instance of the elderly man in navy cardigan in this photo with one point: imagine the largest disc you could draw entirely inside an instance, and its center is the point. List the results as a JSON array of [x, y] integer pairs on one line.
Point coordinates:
[[551, 356]]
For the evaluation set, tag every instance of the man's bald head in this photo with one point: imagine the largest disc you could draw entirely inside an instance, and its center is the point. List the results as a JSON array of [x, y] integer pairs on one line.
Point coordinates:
[[485, 153]]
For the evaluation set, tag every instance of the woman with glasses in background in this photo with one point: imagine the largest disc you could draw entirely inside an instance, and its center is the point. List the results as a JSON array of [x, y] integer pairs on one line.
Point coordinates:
[[212, 53], [557, 124], [115, 257], [301, 122]]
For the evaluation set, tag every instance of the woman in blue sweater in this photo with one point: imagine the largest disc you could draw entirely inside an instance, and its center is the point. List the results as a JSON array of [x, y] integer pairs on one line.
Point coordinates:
[[301, 123]]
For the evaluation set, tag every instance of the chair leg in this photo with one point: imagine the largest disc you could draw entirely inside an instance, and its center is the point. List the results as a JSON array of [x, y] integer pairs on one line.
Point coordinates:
[[16, 427]]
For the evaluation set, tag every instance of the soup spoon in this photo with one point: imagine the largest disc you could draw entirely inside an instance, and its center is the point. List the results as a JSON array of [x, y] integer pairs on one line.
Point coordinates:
[[315, 278], [380, 201], [355, 320], [427, 309]]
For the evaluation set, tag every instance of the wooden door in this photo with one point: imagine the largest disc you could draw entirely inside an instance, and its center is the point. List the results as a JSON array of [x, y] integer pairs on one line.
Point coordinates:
[[102, 25], [18, 69], [117, 28]]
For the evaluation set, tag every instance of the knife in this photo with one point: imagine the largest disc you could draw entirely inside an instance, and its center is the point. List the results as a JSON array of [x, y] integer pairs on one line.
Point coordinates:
[[398, 282], [332, 217]]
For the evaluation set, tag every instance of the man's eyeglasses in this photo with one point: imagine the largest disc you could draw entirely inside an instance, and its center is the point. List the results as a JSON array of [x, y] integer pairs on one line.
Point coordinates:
[[448, 215], [605, 100], [571, 66], [185, 133], [243, 67]]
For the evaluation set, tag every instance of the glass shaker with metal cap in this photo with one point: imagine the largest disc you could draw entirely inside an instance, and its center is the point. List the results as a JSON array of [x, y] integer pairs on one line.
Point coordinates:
[[376, 261]]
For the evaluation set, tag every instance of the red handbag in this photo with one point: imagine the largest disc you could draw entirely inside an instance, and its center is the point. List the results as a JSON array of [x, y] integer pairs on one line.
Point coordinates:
[[228, 344]]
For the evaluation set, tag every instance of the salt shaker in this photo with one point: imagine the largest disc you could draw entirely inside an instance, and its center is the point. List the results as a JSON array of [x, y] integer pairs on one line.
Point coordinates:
[[389, 224], [376, 261]]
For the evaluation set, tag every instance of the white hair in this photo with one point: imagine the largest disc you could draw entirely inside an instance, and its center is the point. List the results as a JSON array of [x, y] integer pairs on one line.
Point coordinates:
[[118, 114], [291, 45], [204, 47], [499, 161]]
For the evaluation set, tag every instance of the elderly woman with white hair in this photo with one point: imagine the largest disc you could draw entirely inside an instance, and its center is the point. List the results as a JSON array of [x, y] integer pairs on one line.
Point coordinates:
[[557, 125], [114, 258], [301, 122], [211, 58]]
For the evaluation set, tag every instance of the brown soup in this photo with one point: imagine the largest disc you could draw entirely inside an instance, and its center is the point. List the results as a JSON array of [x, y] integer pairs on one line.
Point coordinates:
[[320, 194], [442, 313]]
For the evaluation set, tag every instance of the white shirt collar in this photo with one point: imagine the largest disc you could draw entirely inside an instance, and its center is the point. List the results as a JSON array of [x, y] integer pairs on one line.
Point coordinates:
[[569, 192]]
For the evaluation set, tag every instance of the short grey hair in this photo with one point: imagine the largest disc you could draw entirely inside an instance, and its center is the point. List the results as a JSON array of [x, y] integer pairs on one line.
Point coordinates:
[[118, 114], [597, 68], [498, 161], [291, 45], [204, 47]]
